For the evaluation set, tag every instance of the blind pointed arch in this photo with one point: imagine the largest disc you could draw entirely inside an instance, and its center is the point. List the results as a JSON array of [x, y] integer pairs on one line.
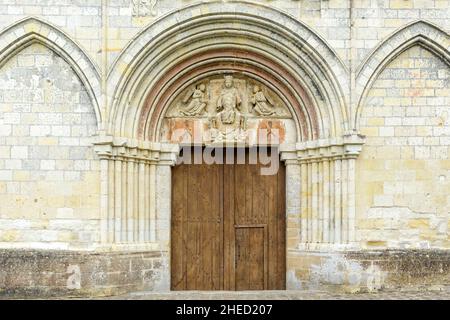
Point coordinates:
[[32, 30], [419, 32]]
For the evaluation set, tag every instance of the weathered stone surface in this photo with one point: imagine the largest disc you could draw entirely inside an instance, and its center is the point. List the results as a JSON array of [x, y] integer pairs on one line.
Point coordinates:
[[403, 183], [44, 197], [431, 294], [58, 273], [370, 271]]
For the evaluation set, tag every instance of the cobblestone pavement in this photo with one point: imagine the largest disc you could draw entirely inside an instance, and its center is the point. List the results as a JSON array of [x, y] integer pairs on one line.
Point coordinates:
[[288, 295]]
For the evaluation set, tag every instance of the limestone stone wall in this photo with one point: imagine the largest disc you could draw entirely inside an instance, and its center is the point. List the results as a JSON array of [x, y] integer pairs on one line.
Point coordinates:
[[82, 20], [62, 273], [403, 173], [49, 178], [373, 20], [370, 270]]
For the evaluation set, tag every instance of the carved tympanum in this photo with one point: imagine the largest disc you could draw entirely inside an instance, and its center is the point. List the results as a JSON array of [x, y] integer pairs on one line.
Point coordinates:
[[225, 108]]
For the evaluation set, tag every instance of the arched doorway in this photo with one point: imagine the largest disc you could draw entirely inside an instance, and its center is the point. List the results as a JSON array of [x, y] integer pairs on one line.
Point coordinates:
[[163, 79], [228, 224], [228, 210]]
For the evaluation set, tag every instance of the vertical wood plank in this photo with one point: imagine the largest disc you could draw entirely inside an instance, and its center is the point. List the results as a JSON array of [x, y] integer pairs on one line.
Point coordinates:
[[281, 207], [228, 229], [178, 274]]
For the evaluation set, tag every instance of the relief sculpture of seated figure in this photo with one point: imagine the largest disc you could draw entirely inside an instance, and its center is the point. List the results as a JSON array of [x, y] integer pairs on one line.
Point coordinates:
[[229, 120], [229, 102]]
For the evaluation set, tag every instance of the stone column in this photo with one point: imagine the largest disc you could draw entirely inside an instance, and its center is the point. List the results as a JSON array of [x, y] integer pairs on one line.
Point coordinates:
[[104, 188], [104, 151], [293, 205], [327, 191], [304, 202], [152, 203], [293, 213], [163, 212], [163, 204], [135, 192]]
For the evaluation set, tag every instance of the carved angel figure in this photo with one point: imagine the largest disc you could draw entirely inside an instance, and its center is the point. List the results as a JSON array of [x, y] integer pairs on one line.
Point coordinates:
[[196, 101], [262, 104]]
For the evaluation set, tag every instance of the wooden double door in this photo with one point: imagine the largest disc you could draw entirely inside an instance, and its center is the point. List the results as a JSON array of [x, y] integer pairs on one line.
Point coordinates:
[[228, 228]]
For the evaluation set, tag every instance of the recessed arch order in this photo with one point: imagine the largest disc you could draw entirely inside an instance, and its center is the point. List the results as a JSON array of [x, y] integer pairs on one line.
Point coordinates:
[[217, 37]]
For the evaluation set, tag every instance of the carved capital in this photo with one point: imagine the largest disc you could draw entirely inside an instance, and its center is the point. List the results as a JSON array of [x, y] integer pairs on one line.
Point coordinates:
[[289, 157], [346, 147], [353, 144], [103, 146], [118, 148]]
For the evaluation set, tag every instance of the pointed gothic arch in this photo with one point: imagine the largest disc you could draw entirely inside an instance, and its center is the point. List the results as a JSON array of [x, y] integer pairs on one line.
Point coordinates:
[[420, 33], [32, 30]]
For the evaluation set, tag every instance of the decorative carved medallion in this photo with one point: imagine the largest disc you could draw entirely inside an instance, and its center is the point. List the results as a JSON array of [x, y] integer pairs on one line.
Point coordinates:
[[143, 8], [224, 109]]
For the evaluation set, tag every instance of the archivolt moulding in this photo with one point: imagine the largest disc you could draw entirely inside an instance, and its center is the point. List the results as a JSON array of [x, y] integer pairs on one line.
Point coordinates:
[[420, 32], [31, 30], [199, 29]]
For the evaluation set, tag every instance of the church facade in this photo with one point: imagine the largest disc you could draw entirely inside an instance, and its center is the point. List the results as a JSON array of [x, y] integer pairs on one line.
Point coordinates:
[[224, 145]]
